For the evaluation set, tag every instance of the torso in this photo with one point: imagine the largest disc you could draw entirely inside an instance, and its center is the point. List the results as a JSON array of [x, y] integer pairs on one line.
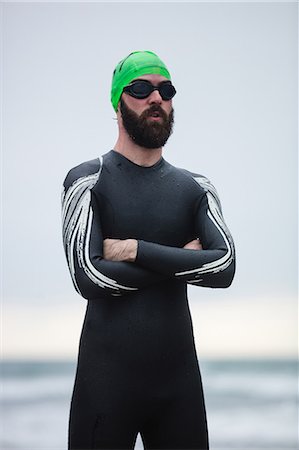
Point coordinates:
[[150, 328]]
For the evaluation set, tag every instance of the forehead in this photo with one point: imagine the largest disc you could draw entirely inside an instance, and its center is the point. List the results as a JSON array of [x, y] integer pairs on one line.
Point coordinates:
[[153, 78]]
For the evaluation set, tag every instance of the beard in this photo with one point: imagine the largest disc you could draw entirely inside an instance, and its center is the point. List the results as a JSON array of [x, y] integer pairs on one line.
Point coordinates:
[[148, 134]]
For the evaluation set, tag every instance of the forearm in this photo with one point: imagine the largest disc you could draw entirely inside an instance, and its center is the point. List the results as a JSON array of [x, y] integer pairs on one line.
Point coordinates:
[[113, 279], [212, 267], [95, 276]]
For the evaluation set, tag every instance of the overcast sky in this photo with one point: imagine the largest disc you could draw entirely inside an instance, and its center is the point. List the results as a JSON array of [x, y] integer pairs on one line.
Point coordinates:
[[234, 66]]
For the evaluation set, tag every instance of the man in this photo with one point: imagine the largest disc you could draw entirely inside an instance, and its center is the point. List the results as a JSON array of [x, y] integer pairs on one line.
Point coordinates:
[[136, 231]]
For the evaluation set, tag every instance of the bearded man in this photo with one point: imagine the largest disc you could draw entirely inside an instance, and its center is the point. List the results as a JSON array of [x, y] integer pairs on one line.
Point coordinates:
[[136, 231]]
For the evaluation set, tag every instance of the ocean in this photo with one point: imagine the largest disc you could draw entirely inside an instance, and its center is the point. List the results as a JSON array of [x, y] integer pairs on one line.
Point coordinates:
[[251, 404]]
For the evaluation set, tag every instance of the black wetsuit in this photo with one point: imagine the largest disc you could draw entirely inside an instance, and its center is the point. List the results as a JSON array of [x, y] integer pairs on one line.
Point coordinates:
[[137, 367]]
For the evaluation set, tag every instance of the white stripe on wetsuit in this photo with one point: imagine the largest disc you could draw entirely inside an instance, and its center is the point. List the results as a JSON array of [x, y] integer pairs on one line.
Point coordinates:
[[77, 215], [215, 215]]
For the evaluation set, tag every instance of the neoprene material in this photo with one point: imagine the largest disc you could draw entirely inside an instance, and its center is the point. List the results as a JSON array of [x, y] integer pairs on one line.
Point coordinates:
[[137, 367], [133, 66]]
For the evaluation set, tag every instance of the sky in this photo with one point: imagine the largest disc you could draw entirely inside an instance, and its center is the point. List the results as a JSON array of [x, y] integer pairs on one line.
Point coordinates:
[[235, 68]]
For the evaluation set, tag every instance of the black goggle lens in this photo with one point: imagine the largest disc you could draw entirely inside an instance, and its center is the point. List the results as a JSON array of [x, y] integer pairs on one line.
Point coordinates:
[[142, 89]]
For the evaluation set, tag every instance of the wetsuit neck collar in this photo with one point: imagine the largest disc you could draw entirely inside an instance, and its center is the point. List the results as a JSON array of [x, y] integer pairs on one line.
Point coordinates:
[[121, 158]]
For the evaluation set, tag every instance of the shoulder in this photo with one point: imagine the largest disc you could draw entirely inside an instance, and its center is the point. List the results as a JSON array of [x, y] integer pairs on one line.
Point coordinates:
[[199, 184], [199, 181], [203, 182], [86, 171]]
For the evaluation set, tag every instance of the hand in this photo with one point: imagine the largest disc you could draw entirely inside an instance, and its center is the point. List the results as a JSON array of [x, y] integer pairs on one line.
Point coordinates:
[[193, 245], [120, 249]]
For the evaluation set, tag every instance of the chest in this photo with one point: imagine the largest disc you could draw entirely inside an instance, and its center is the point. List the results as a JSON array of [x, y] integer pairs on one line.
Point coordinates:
[[154, 207]]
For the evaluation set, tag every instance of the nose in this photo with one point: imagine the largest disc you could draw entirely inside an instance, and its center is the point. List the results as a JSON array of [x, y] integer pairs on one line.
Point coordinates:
[[155, 97]]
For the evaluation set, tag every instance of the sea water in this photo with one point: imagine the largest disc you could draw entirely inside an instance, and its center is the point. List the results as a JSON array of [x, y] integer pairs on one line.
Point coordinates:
[[250, 404]]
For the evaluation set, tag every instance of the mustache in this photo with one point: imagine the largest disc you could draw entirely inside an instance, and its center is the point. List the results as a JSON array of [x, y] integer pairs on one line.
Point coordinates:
[[154, 109]]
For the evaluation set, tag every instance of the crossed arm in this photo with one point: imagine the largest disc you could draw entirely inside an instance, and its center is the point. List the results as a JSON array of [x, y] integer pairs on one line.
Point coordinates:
[[112, 267], [126, 249]]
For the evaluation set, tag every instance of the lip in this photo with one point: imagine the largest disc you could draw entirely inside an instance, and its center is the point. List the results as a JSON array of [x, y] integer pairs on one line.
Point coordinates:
[[155, 115], [155, 118]]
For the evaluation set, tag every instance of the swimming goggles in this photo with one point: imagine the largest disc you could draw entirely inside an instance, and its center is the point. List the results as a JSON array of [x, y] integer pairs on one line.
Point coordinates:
[[142, 89]]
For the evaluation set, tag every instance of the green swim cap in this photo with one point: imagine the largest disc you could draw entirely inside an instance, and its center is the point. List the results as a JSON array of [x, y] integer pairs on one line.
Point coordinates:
[[133, 66]]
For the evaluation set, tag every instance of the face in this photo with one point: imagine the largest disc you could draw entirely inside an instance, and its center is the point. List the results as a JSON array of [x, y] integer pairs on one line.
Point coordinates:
[[148, 121]]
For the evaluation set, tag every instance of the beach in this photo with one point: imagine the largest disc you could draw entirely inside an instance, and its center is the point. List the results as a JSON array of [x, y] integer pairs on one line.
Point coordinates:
[[251, 404]]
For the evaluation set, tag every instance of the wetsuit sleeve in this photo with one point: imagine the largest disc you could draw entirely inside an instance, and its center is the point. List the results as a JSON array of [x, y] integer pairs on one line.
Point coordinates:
[[214, 266], [93, 276]]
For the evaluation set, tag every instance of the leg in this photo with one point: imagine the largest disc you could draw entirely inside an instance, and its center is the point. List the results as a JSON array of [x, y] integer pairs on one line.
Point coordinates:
[[101, 422], [179, 422]]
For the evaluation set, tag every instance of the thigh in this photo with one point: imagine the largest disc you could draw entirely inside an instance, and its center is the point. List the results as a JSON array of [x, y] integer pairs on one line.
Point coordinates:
[[102, 422], [180, 423], [114, 432]]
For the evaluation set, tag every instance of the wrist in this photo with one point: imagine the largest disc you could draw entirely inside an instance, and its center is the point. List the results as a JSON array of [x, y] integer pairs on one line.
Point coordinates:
[[132, 250]]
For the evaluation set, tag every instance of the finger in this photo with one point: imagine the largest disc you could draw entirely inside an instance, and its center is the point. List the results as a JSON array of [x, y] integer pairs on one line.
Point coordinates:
[[193, 245]]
